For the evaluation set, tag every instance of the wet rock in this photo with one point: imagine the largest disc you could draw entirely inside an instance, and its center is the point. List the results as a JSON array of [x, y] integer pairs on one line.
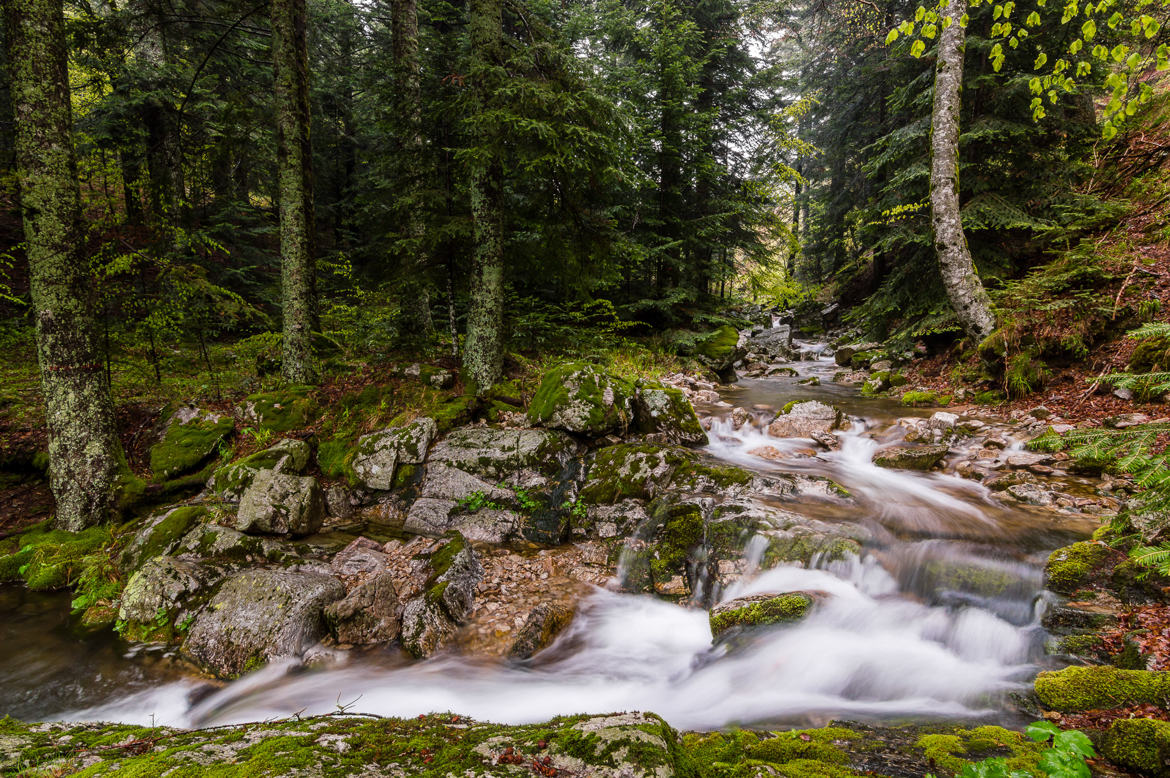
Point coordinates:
[[1094, 611], [758, 610], [161, 534], [213, 542], [165, 590], [191, 439], [448, 597], [285, 456], [845, 354], [1031, 494], [259, 615], [1072, 567], [850, 377], [380, 453], [490, 524], [368, 615], [720, 350], [804, 419], [279, 504], [665, 411], [582, 398], [543, 625], [775, 344], [911, 457], [361, 558], [739, 417], [340, 502]]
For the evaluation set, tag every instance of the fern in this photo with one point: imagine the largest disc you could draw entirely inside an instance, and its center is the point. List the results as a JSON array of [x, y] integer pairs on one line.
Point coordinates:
[[1152, 557]]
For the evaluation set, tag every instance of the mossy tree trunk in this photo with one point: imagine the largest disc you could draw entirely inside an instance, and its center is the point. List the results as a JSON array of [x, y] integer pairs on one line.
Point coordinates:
[[85, 455], [483, 348], [290, 60], [164, 158], [7, 125], [965, 290], [416, 293]]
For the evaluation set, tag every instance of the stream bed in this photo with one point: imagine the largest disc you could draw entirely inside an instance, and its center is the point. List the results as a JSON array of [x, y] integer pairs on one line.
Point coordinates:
[[939, 617]]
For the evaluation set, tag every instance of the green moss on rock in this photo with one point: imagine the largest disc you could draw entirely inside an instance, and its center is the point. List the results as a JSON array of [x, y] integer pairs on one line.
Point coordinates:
[[284, 410], [759, 610], [186, 446], [1071, 567], [582, 398], [1142, 745], [1087, 688]]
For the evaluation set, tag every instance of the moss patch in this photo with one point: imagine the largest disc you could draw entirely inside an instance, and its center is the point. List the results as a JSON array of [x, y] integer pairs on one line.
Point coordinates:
[[1139, 744], [761, 612], [291, 408], [185, 447], [1071, 567], [1088, 688]]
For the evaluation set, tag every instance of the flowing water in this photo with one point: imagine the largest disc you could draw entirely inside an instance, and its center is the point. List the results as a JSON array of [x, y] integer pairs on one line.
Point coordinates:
[[938, 618]]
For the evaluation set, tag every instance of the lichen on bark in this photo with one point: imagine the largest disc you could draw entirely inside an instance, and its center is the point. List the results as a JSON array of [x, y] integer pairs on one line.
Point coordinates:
[[85, 455]]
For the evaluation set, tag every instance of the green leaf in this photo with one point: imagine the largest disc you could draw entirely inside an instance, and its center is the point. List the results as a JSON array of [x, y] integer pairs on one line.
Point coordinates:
[[1115, 20], [917, 49], [1133, 61], [892, 36], [929, 31], [1042, 731], [1088, 30], [1119, 51], [1041, 58]]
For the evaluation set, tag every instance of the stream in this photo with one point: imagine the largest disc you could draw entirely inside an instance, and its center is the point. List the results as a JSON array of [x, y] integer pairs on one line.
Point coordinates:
[[910, 630]]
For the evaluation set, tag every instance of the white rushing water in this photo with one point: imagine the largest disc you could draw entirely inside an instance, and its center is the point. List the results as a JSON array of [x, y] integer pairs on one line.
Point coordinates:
[[884, 641]]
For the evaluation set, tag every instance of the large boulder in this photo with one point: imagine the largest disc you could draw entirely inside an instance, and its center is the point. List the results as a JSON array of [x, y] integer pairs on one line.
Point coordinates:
[[279, 504], [911, 457], [191, 439], [720, 350], [258, 616], [380, 454], [806, 419], [759, 610], [164, 592], [285, 456], [284, 410], [774, 343], [582, 398], [1138, 744], [498, 484], [213, 542], [448, 597], [161, 534], [641, 471], [368, 615], [665, 412]]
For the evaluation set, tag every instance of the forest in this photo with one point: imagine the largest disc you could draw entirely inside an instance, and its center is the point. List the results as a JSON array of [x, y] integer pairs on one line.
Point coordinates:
[[597, 387]]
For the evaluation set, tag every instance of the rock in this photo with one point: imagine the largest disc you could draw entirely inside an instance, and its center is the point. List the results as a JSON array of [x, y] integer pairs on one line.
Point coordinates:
[[1138, 744], [340, 502], [582, 398], [1075, 689], [720, 350], [804, 419], [259, 615], [211, 541], [544, 623], [759, 610], [665, 411], [380, 453], [844, 354], [1072, 567], [911, 457], [1122, 393], [774, 344], [639, 471], [161, 534], [361, 558], [278, 504], [191, 439], [285, 456], [165, 590], [448, 597], [1031, 494], [882, 366], [498, 484], [368, 615], [284, 410]]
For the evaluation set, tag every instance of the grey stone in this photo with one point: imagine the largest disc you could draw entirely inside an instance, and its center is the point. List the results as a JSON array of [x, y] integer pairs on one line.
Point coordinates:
[[804, 419], [367, 615], [164, 584], [285, 456], [278, 504], [380, 453], [259, 615], [911, 457], [448, 598]]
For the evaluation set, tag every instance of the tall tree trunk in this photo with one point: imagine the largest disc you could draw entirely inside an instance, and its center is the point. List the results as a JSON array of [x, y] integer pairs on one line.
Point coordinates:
[[164, 163], [85, 455], [483, 348], [7, 119], [416, 299], [965, 290], [294, 160]]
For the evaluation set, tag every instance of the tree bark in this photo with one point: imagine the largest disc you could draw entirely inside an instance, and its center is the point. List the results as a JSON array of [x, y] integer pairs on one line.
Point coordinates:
[[483, 348], [85, 455], [416, 299], [294, 160], [965, 290]]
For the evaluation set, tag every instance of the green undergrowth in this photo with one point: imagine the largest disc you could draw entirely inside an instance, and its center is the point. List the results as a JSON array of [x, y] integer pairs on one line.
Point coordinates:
[[47, 559]]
